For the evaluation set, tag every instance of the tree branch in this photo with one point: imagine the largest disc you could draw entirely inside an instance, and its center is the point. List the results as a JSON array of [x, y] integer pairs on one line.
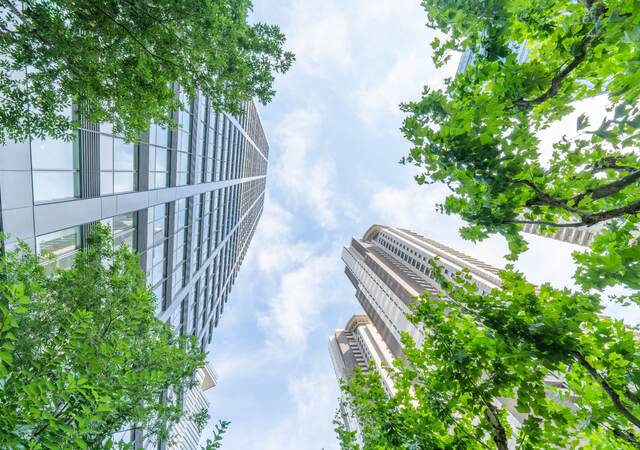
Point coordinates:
[[499, 433], [613, 395], [137, 40], [611, 162], [608, 189], [56, 415], [545, 199], [545, 223], [579, 57]]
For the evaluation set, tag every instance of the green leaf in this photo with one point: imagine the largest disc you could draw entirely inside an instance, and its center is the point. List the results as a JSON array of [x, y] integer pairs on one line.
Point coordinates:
[[583, 122]]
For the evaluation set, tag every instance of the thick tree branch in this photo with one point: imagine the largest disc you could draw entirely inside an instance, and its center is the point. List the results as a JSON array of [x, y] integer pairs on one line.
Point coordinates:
[[611, 163], [608, 189], [587, 219], [542, 198], [499, 433], [579, 56], [632, 208], [613, 395]]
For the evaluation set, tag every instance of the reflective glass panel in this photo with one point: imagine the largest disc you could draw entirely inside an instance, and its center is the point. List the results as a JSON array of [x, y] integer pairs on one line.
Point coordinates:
[[123, 181], [59, 242], [123, 222], [123, 155], [53, 154], [49, 186]]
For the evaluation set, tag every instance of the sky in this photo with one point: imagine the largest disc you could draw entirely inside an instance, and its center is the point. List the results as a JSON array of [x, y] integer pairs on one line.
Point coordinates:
[[335, 142]]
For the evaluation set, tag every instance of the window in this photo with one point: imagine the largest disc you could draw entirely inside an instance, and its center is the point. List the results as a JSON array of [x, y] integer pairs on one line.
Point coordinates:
[[62, 245], [194, 314], [183, 157], [125, 165], [201, 145], [181, 235], [118, 165], [124, 230], [184, 312], [159, 159], [56, 170], [157, 253]]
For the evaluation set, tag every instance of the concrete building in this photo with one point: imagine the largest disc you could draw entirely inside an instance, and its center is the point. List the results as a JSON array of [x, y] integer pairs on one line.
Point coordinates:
[[389, 267], [187, 200], [359, 345]]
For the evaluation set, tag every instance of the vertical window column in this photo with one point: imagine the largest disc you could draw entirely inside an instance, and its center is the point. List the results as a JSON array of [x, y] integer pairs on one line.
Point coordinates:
[[181, 224], [157, 236], [159, 157], [184, 147]]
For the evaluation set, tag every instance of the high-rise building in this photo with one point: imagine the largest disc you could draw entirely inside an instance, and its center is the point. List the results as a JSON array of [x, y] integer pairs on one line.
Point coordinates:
[[187, 200], [389, 267], [359, 345]]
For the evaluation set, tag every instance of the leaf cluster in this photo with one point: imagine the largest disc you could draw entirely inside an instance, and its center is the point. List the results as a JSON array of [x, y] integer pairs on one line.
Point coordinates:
[[480, 134], [83, 354], [123, 58], [544, 356]]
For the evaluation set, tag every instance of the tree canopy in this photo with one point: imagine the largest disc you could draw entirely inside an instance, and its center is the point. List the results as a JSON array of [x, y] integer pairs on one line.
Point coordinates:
[[82, 353], [122, 59], [480, 133], [544, 355]]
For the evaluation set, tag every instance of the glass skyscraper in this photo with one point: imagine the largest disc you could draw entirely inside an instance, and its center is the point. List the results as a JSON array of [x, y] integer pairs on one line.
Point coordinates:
[[187, 200]]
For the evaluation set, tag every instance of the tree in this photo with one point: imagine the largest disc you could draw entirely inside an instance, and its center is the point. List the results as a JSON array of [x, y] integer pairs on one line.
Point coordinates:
[[572, 374], [122, 58], [82, 353], [479, 134]]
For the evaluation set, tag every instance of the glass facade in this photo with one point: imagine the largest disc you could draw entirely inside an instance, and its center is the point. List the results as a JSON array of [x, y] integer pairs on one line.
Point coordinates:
[[188, 200], [118, 165], [184, 147]]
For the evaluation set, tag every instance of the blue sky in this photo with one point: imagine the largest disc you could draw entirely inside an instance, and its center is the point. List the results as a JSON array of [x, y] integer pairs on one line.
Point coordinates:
[[334, 137]]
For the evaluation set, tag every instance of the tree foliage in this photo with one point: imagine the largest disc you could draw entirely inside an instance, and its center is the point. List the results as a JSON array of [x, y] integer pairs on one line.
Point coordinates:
[[219, 429], [480, 133], [82, 353], [122, 58], [571, 374]]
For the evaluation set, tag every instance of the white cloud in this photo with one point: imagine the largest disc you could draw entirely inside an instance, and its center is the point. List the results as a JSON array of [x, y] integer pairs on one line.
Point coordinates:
[[319, 36], [276, 251], [301, 297], [379, 99], [304, 171], [406, 206], [401, 75], [314, 397]]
